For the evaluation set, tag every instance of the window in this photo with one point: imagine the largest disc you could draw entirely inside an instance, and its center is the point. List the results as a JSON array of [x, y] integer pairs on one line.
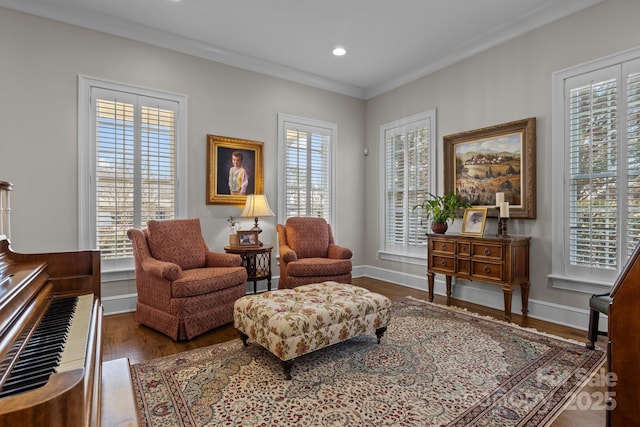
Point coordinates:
[[129, 164], [408, 162], [306, 158], [597, 211]]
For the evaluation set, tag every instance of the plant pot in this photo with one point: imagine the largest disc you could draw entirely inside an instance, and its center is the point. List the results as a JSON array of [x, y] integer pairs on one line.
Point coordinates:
[[233, 240], [439, 228]]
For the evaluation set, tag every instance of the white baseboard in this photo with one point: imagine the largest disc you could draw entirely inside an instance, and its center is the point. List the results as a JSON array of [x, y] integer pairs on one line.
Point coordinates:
[[118, 304], [479, 293]]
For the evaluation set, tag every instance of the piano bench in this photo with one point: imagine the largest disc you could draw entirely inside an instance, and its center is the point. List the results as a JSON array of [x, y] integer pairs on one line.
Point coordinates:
[[118, 401], [597, 304]]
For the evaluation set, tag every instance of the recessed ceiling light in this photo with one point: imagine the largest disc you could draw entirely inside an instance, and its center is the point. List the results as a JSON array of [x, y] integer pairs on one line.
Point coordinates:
[[339, 51]]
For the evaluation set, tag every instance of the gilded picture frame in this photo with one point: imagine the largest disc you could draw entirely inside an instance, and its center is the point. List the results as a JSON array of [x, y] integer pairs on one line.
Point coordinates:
[[482, 162], [221, 151], [473, 222]]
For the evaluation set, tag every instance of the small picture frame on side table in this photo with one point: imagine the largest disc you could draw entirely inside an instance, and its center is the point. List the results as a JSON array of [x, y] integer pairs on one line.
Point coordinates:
[[473, 221], [248, 239]]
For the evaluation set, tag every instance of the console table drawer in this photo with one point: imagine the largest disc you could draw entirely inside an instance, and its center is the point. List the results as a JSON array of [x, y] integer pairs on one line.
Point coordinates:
[[487, 250], [464, 248], [443, 264], [486, 270], [445, 246]]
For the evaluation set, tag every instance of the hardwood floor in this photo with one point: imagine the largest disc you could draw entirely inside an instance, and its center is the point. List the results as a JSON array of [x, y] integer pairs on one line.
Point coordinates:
[[123, 337]]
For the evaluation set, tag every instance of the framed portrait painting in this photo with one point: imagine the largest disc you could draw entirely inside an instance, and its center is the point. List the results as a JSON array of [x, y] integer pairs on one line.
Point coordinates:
[[497, 159], [234, 169]]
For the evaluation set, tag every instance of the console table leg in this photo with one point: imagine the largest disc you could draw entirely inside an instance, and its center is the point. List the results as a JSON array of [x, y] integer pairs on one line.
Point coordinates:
[[448, 280], [524, 289], [430, 277], [508, 292]]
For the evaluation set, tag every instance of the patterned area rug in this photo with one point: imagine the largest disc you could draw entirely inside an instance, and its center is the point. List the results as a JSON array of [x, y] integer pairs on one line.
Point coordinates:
[[435, 366]]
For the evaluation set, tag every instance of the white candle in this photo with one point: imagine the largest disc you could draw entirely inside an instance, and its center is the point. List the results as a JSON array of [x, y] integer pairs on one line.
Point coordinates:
[[499, 199], [504, 209]]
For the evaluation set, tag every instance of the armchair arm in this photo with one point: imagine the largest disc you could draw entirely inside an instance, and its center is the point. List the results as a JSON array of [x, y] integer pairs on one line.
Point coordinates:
[[166, 270], [287, 254], [219, 259], [339, 252], [162, 269]]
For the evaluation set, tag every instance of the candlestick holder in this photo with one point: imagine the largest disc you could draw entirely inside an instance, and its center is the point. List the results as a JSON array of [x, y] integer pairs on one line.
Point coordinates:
[[502, 226]]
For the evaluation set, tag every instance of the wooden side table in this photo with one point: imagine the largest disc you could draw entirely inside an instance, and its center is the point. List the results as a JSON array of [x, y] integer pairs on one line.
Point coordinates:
[[257, 261]]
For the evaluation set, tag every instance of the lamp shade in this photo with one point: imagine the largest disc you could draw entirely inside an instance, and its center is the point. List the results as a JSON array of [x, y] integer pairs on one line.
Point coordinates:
[[256, 206]]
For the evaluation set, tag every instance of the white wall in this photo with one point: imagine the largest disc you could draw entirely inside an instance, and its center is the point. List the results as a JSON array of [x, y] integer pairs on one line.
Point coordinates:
[[40, 63], [509, 82], [41, 59]]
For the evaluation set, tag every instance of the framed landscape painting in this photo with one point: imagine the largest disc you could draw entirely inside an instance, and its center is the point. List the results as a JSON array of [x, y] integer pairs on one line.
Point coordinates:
[[497, 159]]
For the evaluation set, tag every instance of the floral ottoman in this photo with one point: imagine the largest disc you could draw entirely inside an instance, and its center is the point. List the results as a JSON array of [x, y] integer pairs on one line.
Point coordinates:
[[293, 322]]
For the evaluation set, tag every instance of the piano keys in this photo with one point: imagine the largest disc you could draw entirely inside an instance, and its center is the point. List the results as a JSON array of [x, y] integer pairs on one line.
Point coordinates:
[[58, 344], [50, 338]]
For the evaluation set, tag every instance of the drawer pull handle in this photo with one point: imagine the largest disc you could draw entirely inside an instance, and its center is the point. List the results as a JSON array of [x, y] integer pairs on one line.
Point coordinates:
[[487, 251], [443, 247], [443, 262], [486, 269]]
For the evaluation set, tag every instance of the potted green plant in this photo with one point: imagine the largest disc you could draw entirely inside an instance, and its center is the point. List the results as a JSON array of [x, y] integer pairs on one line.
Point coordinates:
[[440, 209]]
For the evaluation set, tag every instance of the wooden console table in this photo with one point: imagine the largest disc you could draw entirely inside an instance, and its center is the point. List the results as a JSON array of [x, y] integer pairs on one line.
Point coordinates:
[[503, 261]]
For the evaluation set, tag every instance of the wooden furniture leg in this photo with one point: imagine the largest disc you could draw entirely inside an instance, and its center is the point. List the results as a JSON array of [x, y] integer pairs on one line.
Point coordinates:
[[430, 277], [508, 293]]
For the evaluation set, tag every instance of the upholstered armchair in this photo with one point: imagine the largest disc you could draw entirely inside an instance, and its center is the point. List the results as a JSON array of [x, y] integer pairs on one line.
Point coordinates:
[[184, 289], [308, 254]]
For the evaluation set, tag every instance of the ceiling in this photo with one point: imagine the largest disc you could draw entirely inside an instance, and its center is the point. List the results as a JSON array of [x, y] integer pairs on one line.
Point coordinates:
[[389, 42]]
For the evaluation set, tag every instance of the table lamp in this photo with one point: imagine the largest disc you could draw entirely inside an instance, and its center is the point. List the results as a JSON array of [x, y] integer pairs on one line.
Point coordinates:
[[256, 206]]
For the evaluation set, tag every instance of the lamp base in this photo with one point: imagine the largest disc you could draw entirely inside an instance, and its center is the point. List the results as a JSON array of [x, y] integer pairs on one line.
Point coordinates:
[[257, 228]]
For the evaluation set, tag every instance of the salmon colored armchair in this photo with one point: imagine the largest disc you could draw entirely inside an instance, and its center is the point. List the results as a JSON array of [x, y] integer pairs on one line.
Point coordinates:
[[184, 289], [308, 254]]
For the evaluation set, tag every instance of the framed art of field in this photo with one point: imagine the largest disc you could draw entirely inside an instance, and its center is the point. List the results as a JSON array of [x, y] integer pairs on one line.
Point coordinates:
[[234, 169], [497, 159]]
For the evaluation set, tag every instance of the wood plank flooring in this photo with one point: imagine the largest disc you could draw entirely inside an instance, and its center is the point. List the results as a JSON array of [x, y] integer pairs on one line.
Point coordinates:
[[123, 337]]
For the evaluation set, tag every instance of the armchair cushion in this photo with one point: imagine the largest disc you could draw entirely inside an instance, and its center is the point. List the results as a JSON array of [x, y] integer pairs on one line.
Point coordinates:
[[308, 237], [201, 281], [308, 267], [178, 241]]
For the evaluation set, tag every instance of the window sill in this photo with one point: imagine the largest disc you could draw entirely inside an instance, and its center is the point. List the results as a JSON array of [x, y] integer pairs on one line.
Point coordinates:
[[579, 285], [405, 257], [116, 275]]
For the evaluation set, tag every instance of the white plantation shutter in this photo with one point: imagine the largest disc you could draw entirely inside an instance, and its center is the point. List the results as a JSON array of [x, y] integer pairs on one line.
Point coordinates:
[[407, 146], [135, 166], [602, 122], [307, 168], [633, 156], [593, 174]]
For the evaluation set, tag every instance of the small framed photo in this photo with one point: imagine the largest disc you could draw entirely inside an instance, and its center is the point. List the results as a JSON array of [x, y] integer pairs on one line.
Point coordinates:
[[248, 238], [473, 221]]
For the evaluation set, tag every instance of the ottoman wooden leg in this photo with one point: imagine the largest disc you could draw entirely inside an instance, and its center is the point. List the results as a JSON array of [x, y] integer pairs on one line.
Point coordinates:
[[244, 337], [286, 366], [380, 332]]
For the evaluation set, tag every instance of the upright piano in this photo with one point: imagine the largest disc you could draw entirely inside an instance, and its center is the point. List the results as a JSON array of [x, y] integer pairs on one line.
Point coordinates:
[[623, 348], [50, 338]]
